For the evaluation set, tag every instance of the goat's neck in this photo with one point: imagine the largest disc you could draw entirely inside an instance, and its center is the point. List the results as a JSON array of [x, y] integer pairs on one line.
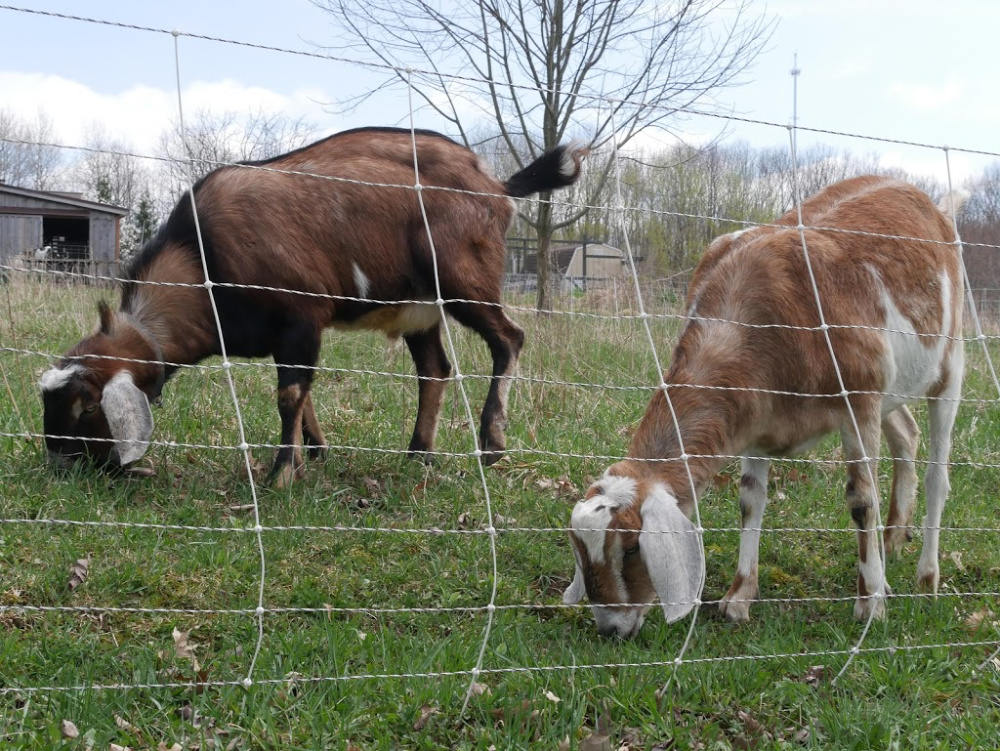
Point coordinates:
[[177, 315], [709, 423]]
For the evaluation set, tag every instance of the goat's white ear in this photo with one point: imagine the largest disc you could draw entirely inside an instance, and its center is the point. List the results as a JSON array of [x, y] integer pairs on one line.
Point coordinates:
[[672, 551], [576, 590], [129, 417]]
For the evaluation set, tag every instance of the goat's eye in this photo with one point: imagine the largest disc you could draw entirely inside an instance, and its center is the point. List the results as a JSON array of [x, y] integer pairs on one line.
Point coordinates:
[[91, 408], [632, 550]]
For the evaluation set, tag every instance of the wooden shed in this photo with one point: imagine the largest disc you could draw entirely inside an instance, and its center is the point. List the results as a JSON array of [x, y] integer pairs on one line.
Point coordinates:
[[60, 229]]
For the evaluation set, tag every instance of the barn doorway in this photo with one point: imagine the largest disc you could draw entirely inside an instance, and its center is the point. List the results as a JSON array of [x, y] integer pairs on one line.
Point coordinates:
[[67, 237]]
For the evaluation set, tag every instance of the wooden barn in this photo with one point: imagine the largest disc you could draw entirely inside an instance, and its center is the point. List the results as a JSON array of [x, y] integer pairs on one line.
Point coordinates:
[[61, 231]]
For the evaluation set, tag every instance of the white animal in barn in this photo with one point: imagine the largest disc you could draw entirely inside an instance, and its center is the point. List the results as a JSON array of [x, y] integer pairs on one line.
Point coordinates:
[[752, 376]]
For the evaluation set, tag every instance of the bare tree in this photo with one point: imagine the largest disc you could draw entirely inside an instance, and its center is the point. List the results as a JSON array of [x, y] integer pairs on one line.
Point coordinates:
[[28, 157], [213, 139], [545, 70], [110, 172]]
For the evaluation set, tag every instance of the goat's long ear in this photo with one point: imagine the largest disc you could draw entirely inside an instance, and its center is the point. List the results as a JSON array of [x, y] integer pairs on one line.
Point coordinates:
[[129, 417], [576, 590], [671, 549]]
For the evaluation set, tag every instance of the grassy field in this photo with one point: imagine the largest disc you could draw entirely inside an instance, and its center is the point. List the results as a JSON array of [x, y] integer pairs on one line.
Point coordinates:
[[350, 660]]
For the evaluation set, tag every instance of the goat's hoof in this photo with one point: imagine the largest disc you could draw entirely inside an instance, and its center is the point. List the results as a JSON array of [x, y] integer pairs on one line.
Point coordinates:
[[895, 538], [735, 609], [424, 457], [927, 580], [489, 458], [283, 476], [865, 607], [318, 452]]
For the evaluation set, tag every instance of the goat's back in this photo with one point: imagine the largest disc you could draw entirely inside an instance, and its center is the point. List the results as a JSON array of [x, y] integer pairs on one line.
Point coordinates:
[[883, 257]]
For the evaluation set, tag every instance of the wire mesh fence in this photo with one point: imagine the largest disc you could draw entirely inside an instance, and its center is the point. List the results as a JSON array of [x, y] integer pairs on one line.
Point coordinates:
[[373, 570]]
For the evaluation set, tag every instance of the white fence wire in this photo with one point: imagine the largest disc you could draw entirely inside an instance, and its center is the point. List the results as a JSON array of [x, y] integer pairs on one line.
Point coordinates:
[[17, 357]]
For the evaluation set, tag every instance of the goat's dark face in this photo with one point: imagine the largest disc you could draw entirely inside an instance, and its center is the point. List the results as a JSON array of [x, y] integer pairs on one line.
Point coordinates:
[[74, 422], [92, 406], [631, 543]]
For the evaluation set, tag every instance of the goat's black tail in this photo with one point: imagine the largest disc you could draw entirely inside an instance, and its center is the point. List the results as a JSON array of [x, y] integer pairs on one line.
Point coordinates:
[[552, 170]]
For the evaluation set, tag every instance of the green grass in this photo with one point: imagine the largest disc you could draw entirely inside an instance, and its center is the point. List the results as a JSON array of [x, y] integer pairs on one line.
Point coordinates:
[[315, 687]]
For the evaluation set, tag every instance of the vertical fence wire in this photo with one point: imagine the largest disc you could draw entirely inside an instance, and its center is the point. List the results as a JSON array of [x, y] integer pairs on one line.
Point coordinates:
[[644, 316], [459, 380], [877, 597], [227, 367]]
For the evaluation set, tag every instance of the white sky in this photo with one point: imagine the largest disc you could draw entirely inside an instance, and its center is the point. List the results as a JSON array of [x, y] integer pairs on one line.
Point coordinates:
[[911, 70]]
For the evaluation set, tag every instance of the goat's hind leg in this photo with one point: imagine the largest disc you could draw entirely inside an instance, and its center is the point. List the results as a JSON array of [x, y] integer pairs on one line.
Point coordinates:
[[941, 413], [862, 489], [299, 348], [433, 370], [902, 435], [505, 339], [312, 433]]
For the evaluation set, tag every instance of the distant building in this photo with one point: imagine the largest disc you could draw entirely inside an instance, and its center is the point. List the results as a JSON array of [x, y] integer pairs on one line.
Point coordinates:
[[574, 264], [59, 228]]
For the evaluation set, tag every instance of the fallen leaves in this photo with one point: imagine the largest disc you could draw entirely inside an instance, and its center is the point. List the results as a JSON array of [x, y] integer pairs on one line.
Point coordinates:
[[426, 712], [184, 648], [69, 730], [78, 573], [600, 738], [982, 616]]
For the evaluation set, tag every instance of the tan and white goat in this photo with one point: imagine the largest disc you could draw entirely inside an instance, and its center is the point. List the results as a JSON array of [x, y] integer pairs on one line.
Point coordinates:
[[752, 376]]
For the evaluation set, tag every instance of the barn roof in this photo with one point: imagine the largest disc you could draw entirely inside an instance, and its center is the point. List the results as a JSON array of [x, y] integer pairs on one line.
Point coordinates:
[[63, 199]]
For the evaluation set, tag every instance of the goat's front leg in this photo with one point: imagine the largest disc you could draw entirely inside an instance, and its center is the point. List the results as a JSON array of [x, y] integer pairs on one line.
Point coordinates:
[[753, 499], [862, 474]]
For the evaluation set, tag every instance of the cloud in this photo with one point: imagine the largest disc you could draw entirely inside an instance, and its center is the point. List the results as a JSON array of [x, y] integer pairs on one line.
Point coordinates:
[[926, 98], [140, 113]]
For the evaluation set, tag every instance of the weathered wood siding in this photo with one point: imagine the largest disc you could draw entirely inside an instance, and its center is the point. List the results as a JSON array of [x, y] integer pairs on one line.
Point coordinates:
[[103, 245], [19, 234]]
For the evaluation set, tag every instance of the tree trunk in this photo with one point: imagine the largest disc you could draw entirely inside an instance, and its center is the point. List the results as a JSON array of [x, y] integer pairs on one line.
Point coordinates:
[[544, 228]]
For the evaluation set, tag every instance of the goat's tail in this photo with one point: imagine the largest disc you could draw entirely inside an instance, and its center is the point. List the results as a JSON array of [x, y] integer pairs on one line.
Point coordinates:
[[952, 203], [552, 170]]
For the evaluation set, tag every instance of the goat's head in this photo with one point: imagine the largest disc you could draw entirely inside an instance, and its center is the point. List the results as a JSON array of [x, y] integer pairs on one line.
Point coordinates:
[[96, 406], [632, 543]]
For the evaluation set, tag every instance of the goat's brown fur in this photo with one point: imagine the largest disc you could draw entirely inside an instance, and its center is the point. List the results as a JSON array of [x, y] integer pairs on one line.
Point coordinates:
[[359, 250]]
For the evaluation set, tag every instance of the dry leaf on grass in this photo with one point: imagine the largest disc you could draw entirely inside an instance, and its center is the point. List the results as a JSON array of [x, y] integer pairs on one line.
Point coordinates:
[[463, 520], [69, 730], [426, 712], [600, 739], [552, 697], [124, 724], [956, 558], [814, 675], [164, 747], [478, 689], [753, 726], [977, 619], [184, 648], [564, 744], [78, 573], [116, 747]]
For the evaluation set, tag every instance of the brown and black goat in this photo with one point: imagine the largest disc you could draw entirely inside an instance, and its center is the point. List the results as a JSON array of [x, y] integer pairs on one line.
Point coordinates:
[[752, 376], [359, 251]]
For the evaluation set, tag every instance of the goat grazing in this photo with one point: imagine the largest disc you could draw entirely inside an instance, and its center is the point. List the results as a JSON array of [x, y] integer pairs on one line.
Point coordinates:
[[356, 245], [752, 376]]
